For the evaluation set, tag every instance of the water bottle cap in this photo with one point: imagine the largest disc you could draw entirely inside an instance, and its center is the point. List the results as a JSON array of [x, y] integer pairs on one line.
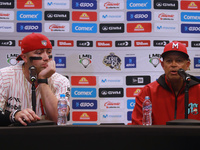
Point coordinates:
[[62, 95], [147, 97]]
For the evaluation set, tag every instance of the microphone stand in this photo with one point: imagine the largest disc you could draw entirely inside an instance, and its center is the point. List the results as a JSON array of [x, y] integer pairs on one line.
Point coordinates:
[[186, 121], [39, 122], [33, 97], [186, 98]]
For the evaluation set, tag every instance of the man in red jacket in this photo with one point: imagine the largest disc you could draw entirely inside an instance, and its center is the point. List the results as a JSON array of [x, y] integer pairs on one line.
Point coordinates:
[[167, 94]]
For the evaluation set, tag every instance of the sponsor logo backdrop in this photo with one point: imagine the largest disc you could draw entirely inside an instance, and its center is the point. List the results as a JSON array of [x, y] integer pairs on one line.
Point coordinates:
[[109, 49]]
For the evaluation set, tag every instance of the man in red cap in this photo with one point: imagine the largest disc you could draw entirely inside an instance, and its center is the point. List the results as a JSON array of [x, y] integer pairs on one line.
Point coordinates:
[[16, 84], [167, 94]]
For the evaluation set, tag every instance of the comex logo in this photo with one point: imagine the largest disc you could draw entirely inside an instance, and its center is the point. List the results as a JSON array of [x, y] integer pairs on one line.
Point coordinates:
[[138, 4], [28, 15], [83, 92], [77, 28], [84, 27]]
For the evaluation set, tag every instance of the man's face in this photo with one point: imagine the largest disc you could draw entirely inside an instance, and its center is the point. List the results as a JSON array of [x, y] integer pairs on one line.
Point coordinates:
[[172, 62], [39, 58]]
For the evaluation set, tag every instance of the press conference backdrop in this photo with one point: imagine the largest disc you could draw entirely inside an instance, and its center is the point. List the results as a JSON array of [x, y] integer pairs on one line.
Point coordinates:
[[109, 49]]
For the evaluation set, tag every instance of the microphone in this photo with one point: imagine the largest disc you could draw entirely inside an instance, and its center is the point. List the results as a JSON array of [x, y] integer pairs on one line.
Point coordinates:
[[33, 74], [184, 75]]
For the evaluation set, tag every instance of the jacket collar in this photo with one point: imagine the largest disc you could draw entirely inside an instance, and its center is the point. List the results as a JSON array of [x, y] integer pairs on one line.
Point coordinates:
[[166, 85]]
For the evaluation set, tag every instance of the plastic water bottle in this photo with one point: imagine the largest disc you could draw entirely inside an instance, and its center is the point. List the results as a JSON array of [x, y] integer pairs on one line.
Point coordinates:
[[147, 111], [62, 110]]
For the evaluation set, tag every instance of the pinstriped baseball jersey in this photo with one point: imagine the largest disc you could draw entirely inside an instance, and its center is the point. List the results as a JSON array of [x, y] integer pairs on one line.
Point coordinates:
[[16, 93]]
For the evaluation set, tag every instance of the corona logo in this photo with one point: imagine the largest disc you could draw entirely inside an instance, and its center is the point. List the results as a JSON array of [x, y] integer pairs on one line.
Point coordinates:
[[84, 16], [29, 4], [85, 116], [83, 80], [139, 27], [137, 92], [192, 5]]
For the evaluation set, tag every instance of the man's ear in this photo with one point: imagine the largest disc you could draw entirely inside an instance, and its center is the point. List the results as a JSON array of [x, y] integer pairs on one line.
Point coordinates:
[[162, 64], [188, 64], [24, 57]]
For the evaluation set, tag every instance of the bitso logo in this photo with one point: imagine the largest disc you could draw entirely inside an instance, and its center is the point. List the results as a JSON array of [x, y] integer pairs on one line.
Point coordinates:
[[112, 61], [154, 59], [85, 60]]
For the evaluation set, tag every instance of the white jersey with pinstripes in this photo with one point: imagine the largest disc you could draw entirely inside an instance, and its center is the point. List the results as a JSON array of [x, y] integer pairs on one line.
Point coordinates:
[[16, 93]]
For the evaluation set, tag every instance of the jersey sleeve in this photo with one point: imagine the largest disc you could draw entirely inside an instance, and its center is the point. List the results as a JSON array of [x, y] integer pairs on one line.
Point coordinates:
[[62, 86], [3, 93]]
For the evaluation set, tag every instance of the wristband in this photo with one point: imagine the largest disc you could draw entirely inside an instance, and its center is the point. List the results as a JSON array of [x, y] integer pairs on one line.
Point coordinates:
[[42, 81], [12, 119]]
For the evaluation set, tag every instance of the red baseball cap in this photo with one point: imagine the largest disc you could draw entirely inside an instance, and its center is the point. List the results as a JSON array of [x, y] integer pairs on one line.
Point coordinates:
[[175, 47], [33, 42]]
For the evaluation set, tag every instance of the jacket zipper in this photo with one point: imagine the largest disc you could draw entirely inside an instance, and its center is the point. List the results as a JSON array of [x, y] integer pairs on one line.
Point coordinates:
[[176, 97], [175, 107]]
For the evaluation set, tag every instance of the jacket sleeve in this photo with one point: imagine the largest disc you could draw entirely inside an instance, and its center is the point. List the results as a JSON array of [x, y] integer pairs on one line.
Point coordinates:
[[137, 114], [4, 118], [4, 114]]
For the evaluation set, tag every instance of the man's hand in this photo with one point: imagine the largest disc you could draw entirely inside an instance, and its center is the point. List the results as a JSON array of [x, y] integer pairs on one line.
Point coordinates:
[[26, 116], [48, 71]]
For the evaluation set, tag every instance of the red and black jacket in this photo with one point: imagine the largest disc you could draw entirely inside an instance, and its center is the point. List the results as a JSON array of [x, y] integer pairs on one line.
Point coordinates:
[[167, 106]]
